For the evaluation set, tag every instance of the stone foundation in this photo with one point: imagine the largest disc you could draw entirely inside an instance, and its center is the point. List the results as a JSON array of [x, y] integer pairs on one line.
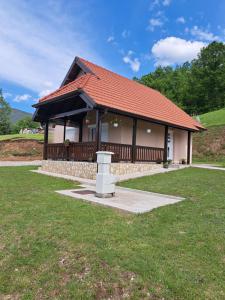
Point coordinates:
[[88, 170]]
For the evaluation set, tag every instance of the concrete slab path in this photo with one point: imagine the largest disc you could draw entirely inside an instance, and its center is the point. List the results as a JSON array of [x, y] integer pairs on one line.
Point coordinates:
[[20, 163], [209, 167], [129, 200]]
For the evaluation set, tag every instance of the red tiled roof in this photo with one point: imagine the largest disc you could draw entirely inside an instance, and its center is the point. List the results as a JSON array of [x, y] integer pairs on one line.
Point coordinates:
[[114, 91]]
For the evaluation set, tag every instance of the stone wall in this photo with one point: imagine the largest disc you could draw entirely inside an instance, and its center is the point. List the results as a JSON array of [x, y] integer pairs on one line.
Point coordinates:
[[88, 169]]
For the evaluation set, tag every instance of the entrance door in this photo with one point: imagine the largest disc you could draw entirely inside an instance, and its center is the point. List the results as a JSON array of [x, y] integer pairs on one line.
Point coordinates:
[[170, 145], [105, 132]]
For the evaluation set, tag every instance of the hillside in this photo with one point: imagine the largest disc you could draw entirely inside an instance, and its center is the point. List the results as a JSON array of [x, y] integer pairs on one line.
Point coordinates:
[[209, 146], [18, 114], [213, 118]]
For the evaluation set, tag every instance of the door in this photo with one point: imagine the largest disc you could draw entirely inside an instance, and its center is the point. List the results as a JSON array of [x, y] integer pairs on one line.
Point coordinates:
[[104, 132], [170, 145]]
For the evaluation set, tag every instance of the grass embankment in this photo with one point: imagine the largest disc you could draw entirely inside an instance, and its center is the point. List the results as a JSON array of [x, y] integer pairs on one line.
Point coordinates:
[[213, 118], [54, 247], [39, 137], [209, 146]]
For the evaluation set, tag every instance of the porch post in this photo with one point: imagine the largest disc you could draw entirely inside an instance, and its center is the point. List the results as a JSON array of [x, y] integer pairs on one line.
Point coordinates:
[[189, 148], [81, 131], [165, 144], [98, 129], [45, 150], [134, 135], [64, 131]]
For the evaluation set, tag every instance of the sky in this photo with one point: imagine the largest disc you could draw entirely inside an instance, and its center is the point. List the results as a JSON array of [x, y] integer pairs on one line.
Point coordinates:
[[39, 39]]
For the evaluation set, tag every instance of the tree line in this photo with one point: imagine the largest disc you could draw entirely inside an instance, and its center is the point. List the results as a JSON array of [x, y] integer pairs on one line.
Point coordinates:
[[6, 126], [197, 86]]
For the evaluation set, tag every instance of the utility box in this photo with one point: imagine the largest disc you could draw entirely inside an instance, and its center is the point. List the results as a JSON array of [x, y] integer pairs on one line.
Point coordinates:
[[105, 181]]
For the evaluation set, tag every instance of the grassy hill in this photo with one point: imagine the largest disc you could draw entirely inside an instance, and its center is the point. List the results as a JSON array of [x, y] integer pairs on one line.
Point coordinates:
[[6, 137], [213, 118], [18, 114], [209, 146]]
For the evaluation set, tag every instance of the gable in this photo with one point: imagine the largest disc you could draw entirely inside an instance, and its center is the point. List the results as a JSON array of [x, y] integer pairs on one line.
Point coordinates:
[[76, 70]]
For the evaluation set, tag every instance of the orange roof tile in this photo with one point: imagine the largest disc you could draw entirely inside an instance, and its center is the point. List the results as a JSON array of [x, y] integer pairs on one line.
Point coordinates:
[[114, 91]]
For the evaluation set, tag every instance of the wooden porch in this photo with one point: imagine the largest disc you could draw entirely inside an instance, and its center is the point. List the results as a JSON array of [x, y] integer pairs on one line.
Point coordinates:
[[86, 151]]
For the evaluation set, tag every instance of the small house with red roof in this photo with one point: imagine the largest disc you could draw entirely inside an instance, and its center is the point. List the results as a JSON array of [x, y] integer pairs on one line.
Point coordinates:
[[96, 109]]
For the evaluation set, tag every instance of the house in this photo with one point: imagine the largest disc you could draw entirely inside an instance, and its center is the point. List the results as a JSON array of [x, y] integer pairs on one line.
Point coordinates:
[[97, 109]]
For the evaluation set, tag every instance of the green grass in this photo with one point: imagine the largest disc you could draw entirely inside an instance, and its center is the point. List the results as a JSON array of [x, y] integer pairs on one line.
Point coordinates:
[[54, 247], [213, 118], [39, 137]]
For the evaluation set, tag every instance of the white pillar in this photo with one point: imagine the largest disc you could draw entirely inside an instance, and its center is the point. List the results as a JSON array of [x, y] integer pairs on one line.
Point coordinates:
[[105, 181]]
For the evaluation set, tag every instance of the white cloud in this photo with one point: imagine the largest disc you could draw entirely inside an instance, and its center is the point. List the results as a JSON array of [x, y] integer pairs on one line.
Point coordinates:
[[133, 62], [154, 3], [6, 95], [125, 34], [166, 2], [157, 3], [38, 43], [203, 35], [110, 39], [22, 98], [44, 93], [173, 50], [181, 20], [155, 22]]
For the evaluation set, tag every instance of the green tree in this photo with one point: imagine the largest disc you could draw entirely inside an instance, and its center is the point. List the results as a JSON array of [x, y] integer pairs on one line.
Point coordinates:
[[207, 82], [26, 122], [5, 110]]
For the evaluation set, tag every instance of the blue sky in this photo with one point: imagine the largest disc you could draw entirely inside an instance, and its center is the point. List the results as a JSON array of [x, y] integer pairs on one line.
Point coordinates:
[[39, 39]]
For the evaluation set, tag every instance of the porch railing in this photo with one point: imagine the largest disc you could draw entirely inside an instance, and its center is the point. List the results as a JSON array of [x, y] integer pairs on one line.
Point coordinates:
[[86, 151]]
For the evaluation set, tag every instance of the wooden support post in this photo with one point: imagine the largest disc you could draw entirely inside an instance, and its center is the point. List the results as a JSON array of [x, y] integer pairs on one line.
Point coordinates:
[[81, 131], [64, 130], [134, 136], [98, 129], [189, 148], [45, 150], [165, 144]]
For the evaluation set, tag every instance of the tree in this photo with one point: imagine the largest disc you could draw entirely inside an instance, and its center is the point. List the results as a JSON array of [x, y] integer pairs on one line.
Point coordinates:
[[26, 122], [5, 110], [207, 82]]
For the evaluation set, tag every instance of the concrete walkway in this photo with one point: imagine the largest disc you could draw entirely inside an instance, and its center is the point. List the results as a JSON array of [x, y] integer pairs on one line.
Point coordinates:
[[129, 200], [20, 163], [209, 167]]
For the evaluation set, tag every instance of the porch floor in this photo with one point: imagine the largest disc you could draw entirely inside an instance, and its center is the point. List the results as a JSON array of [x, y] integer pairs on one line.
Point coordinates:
[[129, 200]]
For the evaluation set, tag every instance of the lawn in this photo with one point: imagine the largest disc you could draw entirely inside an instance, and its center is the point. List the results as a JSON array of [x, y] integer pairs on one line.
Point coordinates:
[[39, 137], [52, 247]]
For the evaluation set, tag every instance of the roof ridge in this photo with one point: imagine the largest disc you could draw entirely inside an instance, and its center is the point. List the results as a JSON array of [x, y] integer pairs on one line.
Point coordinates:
[[119, 75]]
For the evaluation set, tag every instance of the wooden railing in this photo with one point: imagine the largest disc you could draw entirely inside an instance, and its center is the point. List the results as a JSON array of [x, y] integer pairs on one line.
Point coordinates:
[[122, 152], [149, 154], [86, 151]]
